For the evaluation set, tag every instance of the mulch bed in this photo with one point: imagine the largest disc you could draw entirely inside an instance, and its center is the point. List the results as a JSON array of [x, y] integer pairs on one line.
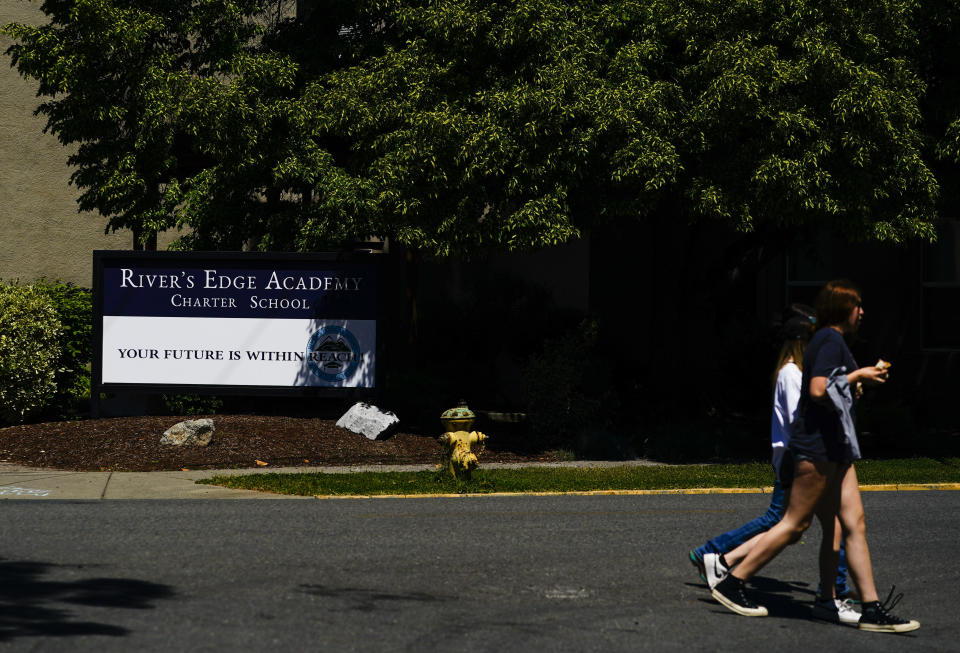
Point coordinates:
[[239, 441]]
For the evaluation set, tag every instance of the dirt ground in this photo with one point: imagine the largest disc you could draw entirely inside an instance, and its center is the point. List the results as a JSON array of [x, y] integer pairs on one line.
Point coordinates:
[[239, 441]]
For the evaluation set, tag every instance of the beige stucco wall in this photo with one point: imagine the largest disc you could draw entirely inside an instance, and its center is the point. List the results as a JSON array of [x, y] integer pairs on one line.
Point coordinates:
[[41, 232]]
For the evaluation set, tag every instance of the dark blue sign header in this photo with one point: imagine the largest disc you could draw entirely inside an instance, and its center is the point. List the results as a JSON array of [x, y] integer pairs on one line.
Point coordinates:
[[233, 287]]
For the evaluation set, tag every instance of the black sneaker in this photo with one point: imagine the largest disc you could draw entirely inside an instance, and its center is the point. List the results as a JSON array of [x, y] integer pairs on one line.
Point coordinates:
[[697, 561], [729, 592], [876, 617]]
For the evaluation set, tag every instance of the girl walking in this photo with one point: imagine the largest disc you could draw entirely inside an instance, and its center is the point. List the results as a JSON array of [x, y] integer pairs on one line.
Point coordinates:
[[824, 445], [715, 558]]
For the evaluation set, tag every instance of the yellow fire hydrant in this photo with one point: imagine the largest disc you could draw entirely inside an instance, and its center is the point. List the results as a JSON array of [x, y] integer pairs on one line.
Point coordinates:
[[458, 441]]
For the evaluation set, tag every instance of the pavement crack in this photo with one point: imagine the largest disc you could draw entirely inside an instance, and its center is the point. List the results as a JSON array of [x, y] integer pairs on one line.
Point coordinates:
[[105, 485]]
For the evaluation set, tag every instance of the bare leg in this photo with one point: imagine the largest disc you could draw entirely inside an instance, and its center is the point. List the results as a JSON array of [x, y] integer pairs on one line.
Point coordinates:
[[811, 480], [855, 532], [830, 541], [738, 554], [837, 545]]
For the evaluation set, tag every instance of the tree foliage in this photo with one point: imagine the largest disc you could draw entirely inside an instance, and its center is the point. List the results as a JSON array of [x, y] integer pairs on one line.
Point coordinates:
[[109, 73], [458, 125]]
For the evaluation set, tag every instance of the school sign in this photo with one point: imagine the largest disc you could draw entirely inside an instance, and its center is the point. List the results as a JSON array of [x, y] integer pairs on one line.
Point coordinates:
[[235, 322]]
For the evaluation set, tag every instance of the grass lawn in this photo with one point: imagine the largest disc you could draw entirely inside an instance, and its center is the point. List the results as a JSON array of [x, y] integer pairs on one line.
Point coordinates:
[[571, 479]]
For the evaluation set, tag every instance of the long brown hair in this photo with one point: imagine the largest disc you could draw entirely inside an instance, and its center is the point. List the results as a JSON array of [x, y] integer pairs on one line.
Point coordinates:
[[835, 302], [796, 332], [790, 349]]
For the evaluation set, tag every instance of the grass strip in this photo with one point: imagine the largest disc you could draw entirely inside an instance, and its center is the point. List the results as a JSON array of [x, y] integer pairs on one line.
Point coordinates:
[[572, 479]]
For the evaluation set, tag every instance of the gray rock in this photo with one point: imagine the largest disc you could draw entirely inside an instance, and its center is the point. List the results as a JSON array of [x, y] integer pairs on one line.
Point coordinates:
[[368, 420], [195, 432]]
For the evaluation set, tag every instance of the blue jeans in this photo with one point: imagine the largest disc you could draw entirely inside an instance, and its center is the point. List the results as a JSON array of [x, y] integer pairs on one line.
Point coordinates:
[[732, 539]]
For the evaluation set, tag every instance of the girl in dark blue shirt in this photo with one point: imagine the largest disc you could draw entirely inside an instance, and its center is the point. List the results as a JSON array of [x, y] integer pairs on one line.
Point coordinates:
[[825, 481]]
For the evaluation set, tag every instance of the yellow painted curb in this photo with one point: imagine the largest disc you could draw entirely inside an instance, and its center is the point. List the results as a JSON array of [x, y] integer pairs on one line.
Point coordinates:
[[910, 487], [581, 493], [600, 493]]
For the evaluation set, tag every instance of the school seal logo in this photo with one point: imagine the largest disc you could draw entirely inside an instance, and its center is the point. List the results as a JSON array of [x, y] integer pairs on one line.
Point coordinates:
[[333, 353]]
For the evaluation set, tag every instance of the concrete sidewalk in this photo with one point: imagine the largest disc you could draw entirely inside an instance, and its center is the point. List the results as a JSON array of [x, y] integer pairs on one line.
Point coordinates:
[[18, 482]]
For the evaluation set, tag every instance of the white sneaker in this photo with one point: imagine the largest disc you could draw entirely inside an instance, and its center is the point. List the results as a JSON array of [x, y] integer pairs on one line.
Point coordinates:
[[714, 569], [835, 611], [847, 612]]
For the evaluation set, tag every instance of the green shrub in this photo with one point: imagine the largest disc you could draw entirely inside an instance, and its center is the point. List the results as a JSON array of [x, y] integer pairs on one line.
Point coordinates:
[[192, 404], [29, 351], [74, 308], [567, 392]]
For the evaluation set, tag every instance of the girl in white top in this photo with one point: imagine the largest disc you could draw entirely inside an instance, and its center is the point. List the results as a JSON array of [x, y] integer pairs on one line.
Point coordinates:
[[786, 400], [715, 558]]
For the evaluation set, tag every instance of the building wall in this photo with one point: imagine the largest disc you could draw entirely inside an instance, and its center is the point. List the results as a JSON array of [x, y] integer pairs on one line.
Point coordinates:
[[41, 231]]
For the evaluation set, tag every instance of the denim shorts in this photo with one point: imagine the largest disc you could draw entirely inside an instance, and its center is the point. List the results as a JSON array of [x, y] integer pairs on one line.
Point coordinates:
[[820, 446], [785, 473]]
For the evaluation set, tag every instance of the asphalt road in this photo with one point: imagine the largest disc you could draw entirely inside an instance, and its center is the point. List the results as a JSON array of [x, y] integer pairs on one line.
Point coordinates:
[[567, 573]]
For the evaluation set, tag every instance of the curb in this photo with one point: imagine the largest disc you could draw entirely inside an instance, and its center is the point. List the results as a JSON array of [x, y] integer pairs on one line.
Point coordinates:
[[905, 487], [909, 487]]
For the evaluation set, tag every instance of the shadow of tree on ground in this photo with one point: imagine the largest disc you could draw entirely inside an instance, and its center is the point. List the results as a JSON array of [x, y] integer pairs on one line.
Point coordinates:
[[27, 601]]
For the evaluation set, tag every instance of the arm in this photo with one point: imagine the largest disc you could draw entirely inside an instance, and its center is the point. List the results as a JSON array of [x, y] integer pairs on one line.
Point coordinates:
[[870, 375]]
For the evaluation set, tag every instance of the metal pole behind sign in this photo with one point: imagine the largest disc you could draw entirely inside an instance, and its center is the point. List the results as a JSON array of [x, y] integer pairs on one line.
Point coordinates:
[[97, 317]]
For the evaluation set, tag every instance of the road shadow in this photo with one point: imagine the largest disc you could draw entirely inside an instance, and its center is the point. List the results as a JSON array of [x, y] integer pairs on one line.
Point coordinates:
[[29, 604], [787, 599]]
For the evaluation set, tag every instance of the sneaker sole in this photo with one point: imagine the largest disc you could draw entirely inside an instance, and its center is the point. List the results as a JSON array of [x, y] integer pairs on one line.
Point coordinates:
[[891, 628], [696, 562], [758, 611], [831, 617]]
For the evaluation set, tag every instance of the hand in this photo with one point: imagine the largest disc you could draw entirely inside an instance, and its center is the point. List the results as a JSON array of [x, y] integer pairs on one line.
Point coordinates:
[[872, 375]]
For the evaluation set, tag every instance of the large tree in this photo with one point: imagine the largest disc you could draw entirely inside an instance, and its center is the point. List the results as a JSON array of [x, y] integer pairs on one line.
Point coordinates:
[[109, 72], [458, 125], [522, 124]]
